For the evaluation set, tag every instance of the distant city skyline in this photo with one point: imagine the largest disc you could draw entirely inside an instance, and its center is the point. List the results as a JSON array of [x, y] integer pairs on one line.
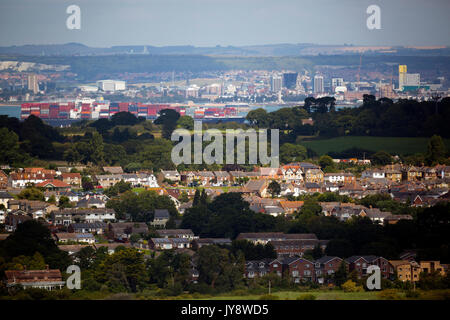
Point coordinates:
[[205, 23]]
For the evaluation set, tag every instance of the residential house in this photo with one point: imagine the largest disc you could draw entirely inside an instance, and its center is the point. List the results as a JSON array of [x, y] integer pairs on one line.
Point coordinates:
[[376, 215], [256, 187], [91, 202], [236, 175], [276, 267], [413, 174], [268, 173], [330, 187], [299, 269], [123, 230], [113, 170], [312, 187], [290, 207], [66, 217], [140, 180], [5, 197], [3, 180], [373, 173], [73, 179], [304, 166], [169, 243], [361, 263], [257, 268], [326, 267], [286, 189], [177, 233], [83, 227], [314, 176], [184, 206], [160, 218], [111, 247], [292, 173], [65, 237], [393, 175], [108, 180], [49, 279], [222, 177], [211, 241], [428, 173], [296, 247], [431, 267], [73, 197], [171, 175], [265, 237], [261, 237], [13, 219], [189, 177], [206, 178], [274, 211], [406, 270], [54, 184], [72, 249], [23, 179], [341, 177]]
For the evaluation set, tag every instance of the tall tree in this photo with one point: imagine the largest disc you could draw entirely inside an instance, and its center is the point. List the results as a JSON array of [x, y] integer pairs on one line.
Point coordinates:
[[274, 188], [436, 150]]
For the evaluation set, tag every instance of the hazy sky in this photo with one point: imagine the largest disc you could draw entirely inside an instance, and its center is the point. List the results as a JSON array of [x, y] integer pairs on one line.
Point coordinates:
[[106, 23]]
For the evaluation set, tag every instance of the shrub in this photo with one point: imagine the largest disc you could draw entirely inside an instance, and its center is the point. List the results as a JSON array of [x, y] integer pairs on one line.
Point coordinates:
[[306, 296], [239, 292], [269, 297], [350, 286]]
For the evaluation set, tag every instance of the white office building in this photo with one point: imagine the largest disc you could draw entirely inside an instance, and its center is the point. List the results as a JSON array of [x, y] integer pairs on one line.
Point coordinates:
[[111, 85]]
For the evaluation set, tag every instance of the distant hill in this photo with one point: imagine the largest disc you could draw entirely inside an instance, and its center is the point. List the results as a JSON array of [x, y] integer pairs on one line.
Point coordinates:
[[276, 50]]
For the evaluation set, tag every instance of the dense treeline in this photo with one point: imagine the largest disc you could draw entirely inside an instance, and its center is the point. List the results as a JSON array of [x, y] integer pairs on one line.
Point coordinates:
[[220, 268], [428, 233], [382, 117]]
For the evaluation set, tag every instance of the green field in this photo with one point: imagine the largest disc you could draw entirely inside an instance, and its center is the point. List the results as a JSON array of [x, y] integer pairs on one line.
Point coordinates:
[[393, 145]]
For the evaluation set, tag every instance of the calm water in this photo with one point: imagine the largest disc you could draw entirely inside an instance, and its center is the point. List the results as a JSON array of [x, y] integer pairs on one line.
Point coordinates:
[[12, 111]]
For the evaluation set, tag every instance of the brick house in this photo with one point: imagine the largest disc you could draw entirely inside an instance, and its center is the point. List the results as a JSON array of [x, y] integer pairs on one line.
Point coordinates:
[[299, 269], [361, 263], [326, 267], [257, 268], [276, 267]]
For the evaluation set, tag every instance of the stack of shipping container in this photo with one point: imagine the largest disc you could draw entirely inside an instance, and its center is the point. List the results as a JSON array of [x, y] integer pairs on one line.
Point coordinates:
[[103, 109]]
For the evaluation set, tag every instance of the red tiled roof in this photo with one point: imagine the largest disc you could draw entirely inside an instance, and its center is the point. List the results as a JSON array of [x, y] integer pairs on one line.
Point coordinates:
[[54, 182]]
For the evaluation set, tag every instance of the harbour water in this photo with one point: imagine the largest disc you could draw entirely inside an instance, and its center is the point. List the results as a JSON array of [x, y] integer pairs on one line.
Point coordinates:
[[11, 111]]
